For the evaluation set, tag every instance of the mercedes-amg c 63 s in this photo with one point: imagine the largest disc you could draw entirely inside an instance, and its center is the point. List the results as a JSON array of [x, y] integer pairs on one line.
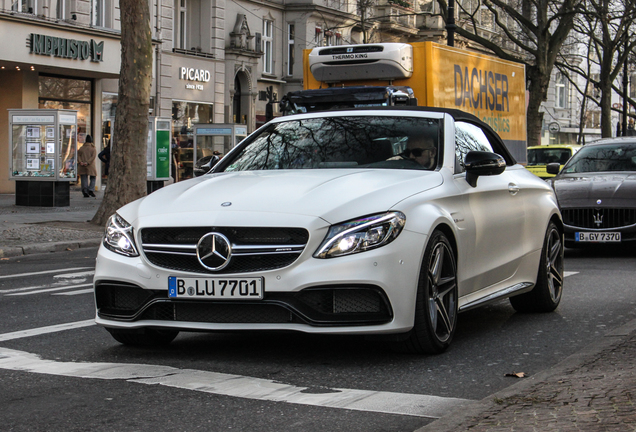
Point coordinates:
[[385, 222]]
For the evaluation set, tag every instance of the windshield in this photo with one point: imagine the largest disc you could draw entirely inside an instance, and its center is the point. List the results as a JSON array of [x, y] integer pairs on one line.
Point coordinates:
[[548, 155], [341, 142], [603, 158]]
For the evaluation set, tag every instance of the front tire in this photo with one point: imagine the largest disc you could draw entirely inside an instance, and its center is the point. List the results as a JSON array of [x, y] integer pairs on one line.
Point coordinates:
[[436, 303], [546, 295], [143, 337]]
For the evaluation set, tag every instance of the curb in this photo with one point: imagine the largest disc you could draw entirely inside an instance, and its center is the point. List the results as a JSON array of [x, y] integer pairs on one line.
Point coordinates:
[[15, 251], [462, 420]]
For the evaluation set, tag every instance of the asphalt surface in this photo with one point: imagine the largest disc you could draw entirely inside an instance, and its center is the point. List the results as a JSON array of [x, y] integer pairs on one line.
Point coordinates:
[[592, 390]]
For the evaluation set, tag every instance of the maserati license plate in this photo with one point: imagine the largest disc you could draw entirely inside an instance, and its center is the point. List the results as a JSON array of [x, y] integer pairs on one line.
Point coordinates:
[[601, 237]]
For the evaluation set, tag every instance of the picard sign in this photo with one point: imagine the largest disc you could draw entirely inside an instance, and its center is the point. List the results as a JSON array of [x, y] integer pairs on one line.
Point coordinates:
[[67, 48]]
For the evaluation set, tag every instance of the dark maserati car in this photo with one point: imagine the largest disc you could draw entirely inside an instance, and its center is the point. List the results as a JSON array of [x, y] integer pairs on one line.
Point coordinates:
[[596, 191]]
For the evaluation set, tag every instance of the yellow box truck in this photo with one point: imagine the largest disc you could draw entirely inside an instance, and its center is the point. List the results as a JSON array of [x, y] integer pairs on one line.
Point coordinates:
[[422, 73]]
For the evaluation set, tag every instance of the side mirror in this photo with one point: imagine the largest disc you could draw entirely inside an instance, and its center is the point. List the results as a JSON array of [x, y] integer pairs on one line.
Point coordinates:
[[481, 163], [203, 167], [553, 168]]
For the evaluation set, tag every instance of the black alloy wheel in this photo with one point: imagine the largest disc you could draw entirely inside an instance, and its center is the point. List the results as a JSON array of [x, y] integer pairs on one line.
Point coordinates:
[[546, 294], [436, 304]]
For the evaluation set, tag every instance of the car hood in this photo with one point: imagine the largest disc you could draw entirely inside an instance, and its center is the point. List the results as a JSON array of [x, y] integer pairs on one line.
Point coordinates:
[[585, 190], [333, 195]]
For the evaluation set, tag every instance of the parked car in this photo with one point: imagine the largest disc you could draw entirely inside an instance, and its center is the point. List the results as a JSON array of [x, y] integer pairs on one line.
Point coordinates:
[[540, 156], [596, 191], [385, 222]]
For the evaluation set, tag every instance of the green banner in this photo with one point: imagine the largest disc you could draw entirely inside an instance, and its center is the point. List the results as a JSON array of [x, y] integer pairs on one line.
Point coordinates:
[[162, 167]]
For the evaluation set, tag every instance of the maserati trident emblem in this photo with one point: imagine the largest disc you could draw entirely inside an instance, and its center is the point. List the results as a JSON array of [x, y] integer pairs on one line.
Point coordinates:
[[214, 251], [598, 218]]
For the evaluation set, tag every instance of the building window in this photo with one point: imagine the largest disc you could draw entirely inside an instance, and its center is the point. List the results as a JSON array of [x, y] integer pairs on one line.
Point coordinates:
[[593, 119], [268, 30], [319, 36], [25, 6], [98, 14], [290, 48], [60, 9], [561, 91], [180, 28]]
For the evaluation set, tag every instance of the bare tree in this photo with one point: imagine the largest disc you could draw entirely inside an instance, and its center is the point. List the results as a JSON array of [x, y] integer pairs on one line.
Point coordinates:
[[127, 173], [526, 31], [607, 24]]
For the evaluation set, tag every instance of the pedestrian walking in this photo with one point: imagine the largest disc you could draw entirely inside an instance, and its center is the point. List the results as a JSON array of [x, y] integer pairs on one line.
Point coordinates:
[[87, 169]]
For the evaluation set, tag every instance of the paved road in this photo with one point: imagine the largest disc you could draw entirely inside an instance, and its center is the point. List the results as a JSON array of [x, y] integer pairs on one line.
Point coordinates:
[[81, 370]]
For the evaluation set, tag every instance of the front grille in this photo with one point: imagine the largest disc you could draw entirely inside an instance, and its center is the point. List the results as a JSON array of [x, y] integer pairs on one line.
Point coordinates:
[[217, 313], [598, 218], [253, 249]]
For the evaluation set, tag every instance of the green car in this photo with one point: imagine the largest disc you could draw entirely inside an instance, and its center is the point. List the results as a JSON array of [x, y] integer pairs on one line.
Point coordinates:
[[540, 156]]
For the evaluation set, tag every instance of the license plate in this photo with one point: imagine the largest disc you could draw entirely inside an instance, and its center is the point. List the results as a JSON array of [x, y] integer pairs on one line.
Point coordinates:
[[601, 237], [216, 288]]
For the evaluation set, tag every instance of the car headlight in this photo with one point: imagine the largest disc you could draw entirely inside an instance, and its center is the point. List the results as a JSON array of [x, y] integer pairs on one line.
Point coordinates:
[[362, 234], [119, 236]]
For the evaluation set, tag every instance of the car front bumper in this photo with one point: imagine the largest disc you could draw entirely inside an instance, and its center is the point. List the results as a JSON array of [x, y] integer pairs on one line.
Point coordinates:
[[372, 292]]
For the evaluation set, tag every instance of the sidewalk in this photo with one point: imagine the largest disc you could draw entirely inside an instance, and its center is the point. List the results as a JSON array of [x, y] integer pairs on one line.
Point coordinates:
[[591, 391], [29, 230]]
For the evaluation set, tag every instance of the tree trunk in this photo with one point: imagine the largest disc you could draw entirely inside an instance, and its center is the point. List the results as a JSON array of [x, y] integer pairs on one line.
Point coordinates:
[[537, 89], [127, 173], [606, 109]]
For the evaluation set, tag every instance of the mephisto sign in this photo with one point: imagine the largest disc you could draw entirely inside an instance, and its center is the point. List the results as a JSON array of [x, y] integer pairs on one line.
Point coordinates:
[[66, 48]]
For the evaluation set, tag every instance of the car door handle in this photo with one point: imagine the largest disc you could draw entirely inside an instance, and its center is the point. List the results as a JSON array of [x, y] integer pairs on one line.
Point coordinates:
[[513, 188]]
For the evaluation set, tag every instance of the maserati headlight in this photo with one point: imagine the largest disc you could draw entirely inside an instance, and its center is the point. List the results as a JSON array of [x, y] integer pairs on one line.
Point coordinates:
[[362, 234], [119, 236]]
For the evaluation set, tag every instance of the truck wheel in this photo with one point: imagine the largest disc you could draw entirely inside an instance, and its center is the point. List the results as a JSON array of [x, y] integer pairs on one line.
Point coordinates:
[[143, 337], [436, 303], [546, 294]]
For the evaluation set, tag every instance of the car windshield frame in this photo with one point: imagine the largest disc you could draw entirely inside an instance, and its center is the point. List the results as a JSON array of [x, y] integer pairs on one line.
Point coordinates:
[[610, 157], [348, 141]]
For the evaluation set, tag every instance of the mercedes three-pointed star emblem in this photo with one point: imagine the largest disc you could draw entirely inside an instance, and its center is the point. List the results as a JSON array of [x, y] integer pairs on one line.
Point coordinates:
[[214, 251]]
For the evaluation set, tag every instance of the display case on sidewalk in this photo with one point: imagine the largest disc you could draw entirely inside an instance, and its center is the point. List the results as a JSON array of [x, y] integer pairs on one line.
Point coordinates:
[[43, 154]]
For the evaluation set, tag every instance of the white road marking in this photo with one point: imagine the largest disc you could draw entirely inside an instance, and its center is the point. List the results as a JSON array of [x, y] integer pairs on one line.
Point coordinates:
[[22, 289], [75, 275], [223, 384], [70, 293], [44, 330], [237, 386], [43, 272], [50, 290]]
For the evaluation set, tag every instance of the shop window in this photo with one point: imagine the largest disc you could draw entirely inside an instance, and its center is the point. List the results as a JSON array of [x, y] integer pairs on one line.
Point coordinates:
[[184, 115], [268, 49], [68, 93]]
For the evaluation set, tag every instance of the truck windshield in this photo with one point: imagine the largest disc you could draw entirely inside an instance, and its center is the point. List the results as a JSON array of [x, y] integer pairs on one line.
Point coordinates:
[[341, 142]]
